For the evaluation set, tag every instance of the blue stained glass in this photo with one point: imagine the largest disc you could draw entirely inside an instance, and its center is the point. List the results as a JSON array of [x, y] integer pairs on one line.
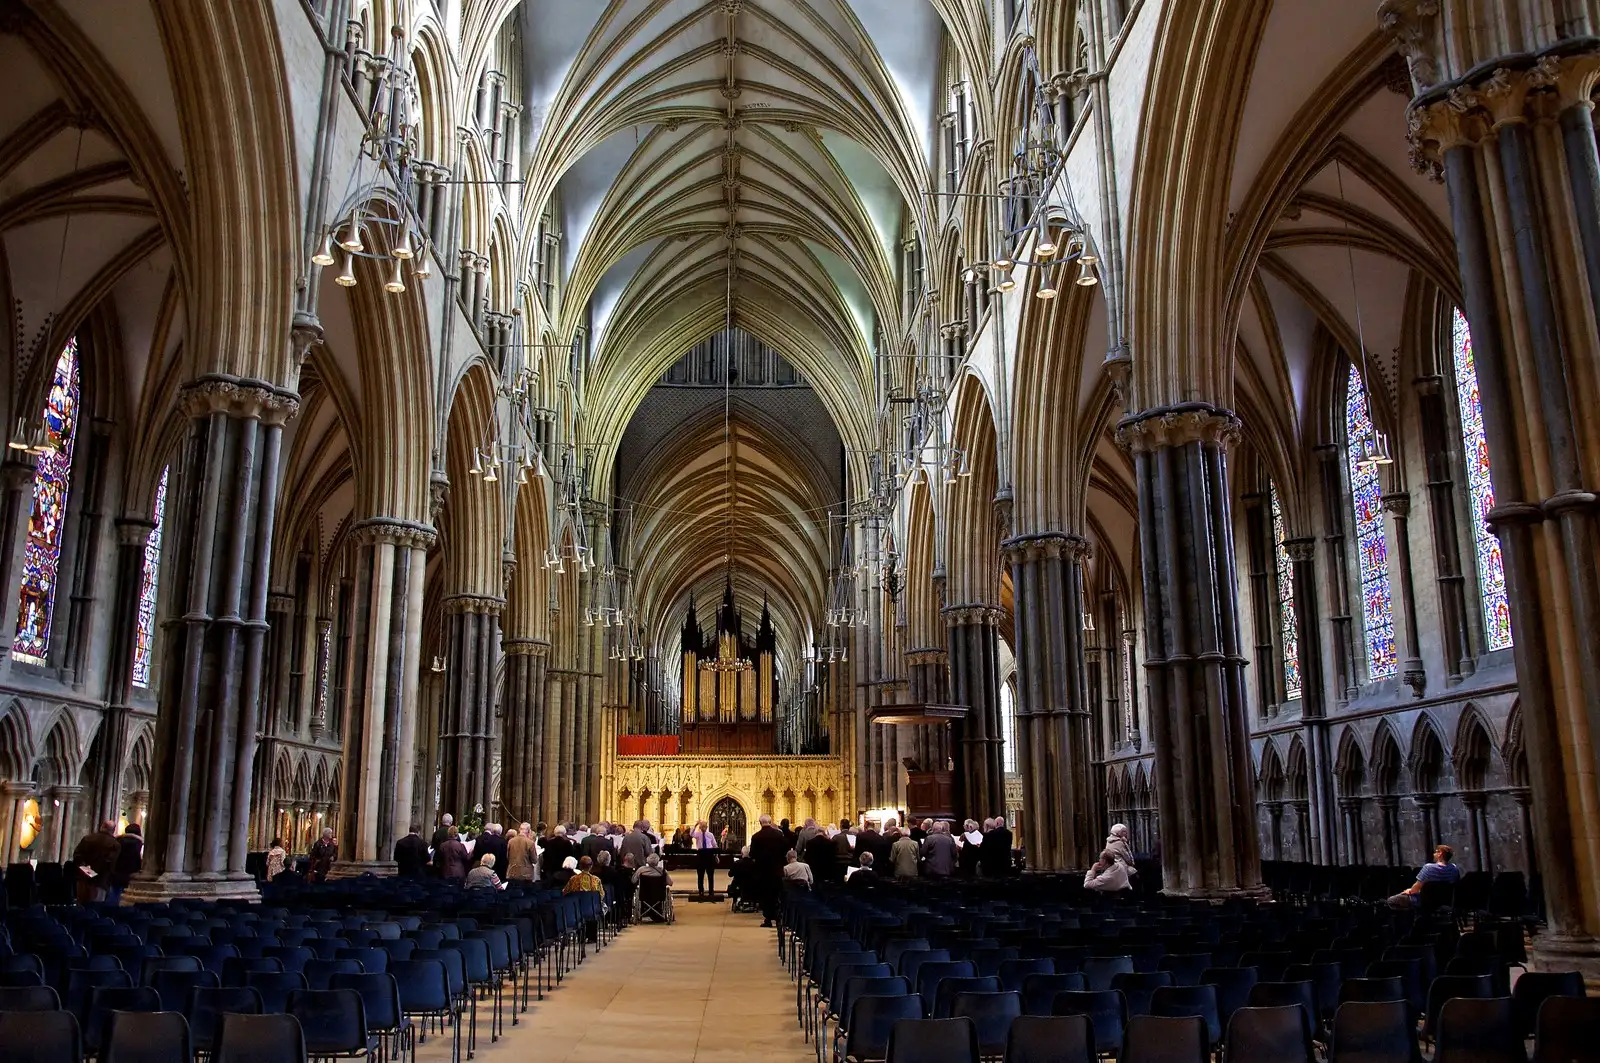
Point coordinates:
[[41, 554], [1372, 549], [1480, 489], [1286, 614], [145, 636]]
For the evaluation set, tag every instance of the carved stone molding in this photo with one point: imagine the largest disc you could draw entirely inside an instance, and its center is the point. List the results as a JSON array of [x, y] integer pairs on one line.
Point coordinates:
[[971, 613], [402, 533], [1398, 503], [238, 397], [474, 603], [926, 655], [1176, 426], [438, 495], [1301, 549], [526, 647], [134, 531], [280, 602], [1052, 546]]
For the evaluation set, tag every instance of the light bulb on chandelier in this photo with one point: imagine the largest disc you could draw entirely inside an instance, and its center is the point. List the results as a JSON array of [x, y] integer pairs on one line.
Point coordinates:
[[347, 276], [351, 241], [324, 255], [396, 284]]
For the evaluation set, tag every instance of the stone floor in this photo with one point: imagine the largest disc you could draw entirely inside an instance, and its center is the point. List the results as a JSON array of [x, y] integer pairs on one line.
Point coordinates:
[[709, 990]]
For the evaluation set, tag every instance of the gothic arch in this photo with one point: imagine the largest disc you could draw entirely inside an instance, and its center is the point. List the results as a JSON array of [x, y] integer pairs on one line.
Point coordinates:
[[972, 545]]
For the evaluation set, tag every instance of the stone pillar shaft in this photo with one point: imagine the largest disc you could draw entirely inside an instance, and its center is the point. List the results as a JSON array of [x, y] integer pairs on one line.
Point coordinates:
[[384, 672], [1192, 652], [223, 496], [975, 682], [1060, 823], [467, 720], [132, 535], [522, 728]]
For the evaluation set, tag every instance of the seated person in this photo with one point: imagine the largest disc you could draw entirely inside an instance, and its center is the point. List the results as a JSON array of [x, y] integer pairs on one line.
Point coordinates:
[[482, 876], [864, 877], [585, 881], [1108, 875], [798, 872], [564, 873], [653, 869], [1440, 870], [741, 892]]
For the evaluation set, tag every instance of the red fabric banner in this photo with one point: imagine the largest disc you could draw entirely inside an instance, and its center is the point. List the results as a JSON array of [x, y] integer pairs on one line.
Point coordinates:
[[647, 745]]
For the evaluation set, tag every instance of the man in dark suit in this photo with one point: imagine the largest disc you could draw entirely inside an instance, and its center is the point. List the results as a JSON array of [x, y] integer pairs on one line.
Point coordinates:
[[595, 843], [994, 855], [768, 852], [557, 848], [446, 823], [864, 877], [492, 840], [867, 841], [411, 854]]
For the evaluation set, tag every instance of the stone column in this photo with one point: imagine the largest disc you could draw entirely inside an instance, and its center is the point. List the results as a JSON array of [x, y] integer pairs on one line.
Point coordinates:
[[466, 727], [975, 682], [1398, 506], [16, 506], [61, 840], [280, 639], [1428, 816], [1313, 697], [522, 728], [1061, 825], [1275, 818], [1204, 781], [928, 681], [383, 673], [222, 495], [1513, 137], [1389, 811], [132, 535], [12, 796]]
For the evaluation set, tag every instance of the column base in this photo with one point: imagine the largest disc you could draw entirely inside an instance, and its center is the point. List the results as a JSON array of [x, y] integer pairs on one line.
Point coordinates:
[[357, 868], [205, 886], [1561, 952]]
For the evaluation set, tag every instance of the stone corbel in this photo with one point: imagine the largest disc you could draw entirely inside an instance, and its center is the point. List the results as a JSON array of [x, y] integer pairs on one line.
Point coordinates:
[[1176, 426]]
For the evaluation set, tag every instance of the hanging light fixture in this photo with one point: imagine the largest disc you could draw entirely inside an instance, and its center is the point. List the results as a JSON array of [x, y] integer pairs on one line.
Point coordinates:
[[351, 241], [396, 284], [1373, 448], [1047, 283], [477, 463], [1045, 245], [424, 268], [347, 276], [324, 255], [1086, 277]]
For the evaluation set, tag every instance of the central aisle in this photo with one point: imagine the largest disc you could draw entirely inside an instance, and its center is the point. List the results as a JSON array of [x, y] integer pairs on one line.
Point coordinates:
[[709, 990]]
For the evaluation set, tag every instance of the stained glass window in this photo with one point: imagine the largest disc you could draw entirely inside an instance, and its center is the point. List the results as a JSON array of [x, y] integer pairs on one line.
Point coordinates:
[[1480, 489], [1372, 550], [1008, 725], [1286, 617], [47, 521], [145, 636]]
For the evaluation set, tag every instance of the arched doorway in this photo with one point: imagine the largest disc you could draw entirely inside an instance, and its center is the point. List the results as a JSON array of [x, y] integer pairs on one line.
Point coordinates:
[[729, 813]]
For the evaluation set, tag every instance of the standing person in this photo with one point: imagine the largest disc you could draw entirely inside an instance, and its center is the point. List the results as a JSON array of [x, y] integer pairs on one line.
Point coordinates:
[[596, 843], [994, 856], [789, 834], [637, 843], [556, 850], [903, 856], [323, 852], [451, 858], [97, 853], [130, 860], [886, 840], [277, 855], [1119, 846], [803, 836], [493, 842], [971, 841], [823, 856], [767, 854], [845, 847], [446, 822], [1442, 869], [411, 854], [939, 851], [520, 855], [706, 847], [867, 841], [920, 832]]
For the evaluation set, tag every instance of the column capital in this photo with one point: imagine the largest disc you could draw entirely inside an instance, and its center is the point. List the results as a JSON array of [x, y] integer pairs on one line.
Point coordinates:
[[238, 397], [1398, 503], [134, 531], [279, 602], [65, 793], [1052, 546], [970, 613], [1176, 426], [926, 655], [474, 603], [17, 790], [1304, 549], [17, 470], [526, 647], [393, 530]]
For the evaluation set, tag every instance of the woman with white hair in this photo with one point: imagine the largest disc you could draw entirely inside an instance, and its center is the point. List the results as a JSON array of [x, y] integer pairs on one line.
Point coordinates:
[[653, 869], [970, 840], [1119, 845]]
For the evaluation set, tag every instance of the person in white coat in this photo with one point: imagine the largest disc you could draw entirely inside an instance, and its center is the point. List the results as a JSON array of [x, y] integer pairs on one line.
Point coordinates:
[[1108, 875]]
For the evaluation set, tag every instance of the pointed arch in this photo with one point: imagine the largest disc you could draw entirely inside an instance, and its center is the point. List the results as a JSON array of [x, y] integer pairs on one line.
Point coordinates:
[[972, 543]]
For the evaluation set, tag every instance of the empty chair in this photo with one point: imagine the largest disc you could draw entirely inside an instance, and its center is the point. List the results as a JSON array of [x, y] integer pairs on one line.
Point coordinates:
[[1107, 1013], [424, 989], [1325, 979], [398, 948], [146, 1037], [1186, 968], [929, 976], [1270, 1035], [150, 965], [174, 987], [1534, 988], [1164, 1039], [293, 957], [206, 1008], [1098, 971], [1472, 1030], [39, 1037], [911, 962], [870, 1023], [333, 1021], [1050, 1039], [1012, 972], [1374, 1031], [949, 988], [1450, 987], [1269, 965], [1138, 988], [1233, 985], [1567, 1030], [319, 973], [20, 979], [1039, 990], [932, 1041], [236, 970], [1493, 966], [1277, 994], [107, 1001], [992, 1014], [372, 960], [275, 987], [380, 999], [29, 998], [1199, 1001], [259, 1039], [988, 960], [1373, 991]]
